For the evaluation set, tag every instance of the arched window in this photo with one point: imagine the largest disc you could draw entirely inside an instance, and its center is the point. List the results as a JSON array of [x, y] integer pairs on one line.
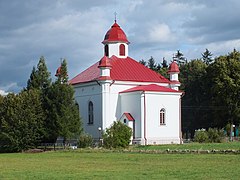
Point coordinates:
[[162, 116], [106, 50], [90, 113], [122, 50]]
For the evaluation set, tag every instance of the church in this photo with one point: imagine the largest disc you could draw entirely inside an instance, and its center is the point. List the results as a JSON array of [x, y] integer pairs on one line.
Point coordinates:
[[118, 88]]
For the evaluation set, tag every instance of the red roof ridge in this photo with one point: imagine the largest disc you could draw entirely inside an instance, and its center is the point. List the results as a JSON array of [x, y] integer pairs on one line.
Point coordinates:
[[150, 87], [129, 116]]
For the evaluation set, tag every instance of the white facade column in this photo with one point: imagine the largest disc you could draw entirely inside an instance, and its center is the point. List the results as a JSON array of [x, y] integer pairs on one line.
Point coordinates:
[[143, 119], [105, 104]]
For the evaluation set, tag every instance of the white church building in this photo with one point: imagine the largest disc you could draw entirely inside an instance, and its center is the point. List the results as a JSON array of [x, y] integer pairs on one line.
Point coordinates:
[[118, 87]]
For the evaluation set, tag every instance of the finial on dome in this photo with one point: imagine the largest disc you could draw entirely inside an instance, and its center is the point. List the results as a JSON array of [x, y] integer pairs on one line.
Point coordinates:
[[115, 17]]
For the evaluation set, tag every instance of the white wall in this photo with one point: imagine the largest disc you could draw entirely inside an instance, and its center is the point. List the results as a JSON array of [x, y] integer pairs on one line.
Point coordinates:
[[114, 49], [162, 134], [83, 95], [131, 103]]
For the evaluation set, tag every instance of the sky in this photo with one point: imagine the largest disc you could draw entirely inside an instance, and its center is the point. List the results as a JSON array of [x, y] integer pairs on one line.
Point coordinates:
[[74, 30]]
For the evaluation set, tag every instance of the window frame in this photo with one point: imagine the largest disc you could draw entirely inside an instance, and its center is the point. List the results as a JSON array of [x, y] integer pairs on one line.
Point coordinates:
[[106, 50], [162, 117], [90, 113], [122, 51]]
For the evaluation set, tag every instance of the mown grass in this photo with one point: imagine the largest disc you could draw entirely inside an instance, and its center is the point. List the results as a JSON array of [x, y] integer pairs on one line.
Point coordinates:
[[193, 146], [92, 164]]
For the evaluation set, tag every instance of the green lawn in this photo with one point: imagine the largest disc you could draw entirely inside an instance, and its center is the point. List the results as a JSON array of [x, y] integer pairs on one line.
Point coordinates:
[[116, 165], [193, 146]]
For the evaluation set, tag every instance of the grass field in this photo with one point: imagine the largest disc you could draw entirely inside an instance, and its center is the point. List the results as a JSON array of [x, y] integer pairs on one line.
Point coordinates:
[[194, 146], [92, 164]]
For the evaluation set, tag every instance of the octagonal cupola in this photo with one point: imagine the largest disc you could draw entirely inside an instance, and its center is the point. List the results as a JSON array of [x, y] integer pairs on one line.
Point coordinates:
[[173, 73], [115, 42]]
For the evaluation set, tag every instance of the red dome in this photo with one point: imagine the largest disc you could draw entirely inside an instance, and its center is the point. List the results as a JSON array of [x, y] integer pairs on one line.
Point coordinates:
[[115, 34], [58, 71], [173, 67], [105, 62]]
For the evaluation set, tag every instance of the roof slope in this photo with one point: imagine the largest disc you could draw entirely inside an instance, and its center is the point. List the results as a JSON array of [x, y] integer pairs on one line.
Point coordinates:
[[128, 116], [123, 69], [151, 87]]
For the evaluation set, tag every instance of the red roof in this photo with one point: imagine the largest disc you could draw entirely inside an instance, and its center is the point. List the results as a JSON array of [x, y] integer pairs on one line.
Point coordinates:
[[123, 69], [129, 116], [173, 67], [115, 34], [105, 62], [151, 87], [58, 71]]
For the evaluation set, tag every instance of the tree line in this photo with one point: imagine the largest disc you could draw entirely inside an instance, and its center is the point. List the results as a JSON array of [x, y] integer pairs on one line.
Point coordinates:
[[40, 113], [211, 89]]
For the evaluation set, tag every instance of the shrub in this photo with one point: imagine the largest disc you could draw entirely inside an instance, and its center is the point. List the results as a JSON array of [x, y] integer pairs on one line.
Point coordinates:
[[215, 135], [201, 136], [118, 135], [85, 140]]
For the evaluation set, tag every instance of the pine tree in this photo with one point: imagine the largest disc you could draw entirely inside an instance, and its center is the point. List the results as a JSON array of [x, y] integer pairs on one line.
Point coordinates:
[[40, 77], [21, 122], [179, 58], [152, 64], [207, 57], [143, 62], [164, 63], [64, 110]]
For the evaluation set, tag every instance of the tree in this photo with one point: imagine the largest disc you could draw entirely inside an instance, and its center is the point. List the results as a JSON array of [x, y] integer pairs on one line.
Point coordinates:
[[207, 57], [164, 63], [143, 62], [179, 58], [224, 77], [195, 101], [21, 122], [63, 109], [152, 64], [118, 135], [40, 77], [163, 70]]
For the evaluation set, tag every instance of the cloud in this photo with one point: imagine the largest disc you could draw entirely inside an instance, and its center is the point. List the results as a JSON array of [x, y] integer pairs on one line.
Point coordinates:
[[160, 33], [3, 93], [74, 30]]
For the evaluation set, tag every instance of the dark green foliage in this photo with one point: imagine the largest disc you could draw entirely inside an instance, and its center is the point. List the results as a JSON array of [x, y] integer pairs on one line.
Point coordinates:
[[152, 64], [195, 102], [224, 78], [63, 111], [62, 76], [22, 121], [40, 77], [179, 58], [164, 63], [200, 136], [85, 140], [117, 136], [40, 113], [213, 135], [207, 57], [143, 62]]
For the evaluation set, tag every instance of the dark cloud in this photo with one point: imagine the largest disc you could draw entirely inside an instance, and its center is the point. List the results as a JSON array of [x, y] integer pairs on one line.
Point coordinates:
[[74, 30]]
